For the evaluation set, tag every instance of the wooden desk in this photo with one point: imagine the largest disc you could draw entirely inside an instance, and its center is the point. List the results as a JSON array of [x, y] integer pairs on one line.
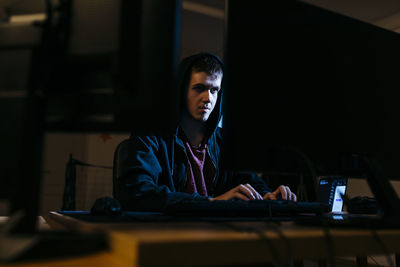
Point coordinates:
[[100, 259], [103, 259], [180, 244]]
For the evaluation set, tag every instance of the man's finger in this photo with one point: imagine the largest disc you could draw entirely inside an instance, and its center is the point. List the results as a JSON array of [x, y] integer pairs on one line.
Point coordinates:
[[288, 192], [244, 190], [281, 189], [294, 197], [270, 196], [255, 193], [241, 196]]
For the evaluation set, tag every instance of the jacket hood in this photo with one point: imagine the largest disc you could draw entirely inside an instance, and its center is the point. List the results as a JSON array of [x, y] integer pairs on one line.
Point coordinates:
[[185, 69]]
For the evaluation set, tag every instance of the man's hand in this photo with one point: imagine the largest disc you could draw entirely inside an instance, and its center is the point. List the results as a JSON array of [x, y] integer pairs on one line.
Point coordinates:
[[284, 191], [244, 192]]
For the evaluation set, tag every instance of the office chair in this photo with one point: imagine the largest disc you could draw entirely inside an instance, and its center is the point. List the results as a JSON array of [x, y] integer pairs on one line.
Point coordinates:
[[119, 164]]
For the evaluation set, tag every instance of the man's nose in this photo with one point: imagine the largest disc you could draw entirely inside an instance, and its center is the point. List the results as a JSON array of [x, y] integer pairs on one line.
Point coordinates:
[[206, 96]]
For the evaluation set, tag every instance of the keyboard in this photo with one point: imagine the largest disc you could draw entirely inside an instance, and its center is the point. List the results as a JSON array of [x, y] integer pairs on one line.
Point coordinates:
[[219, 210], [239, 208]]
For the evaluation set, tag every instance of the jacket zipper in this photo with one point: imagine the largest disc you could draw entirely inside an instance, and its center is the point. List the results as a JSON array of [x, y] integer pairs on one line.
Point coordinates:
[[215, 167]]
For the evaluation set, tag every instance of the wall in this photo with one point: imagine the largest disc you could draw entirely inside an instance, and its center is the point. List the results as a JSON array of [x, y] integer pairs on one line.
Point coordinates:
[[91, 182]]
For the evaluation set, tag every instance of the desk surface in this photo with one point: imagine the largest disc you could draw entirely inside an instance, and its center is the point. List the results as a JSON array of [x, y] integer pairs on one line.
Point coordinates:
[[103, 259], [151, 243]]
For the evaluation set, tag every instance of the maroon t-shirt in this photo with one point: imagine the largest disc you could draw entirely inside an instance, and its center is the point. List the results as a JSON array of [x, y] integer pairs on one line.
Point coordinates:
[[200, 170], [196, 182]]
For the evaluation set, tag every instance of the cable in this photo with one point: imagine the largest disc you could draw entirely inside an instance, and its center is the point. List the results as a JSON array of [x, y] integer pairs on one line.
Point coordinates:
[[329, 244], [282, 236], [385, 196], [383, 247], [80, 163], [310, 166], [372, 258]]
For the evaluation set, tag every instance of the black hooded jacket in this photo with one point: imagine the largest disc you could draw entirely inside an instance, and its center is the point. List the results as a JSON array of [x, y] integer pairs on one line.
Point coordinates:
[[156, 175]]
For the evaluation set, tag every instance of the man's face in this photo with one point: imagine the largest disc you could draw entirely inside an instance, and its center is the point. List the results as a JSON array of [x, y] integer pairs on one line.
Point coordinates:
[[203, 94]]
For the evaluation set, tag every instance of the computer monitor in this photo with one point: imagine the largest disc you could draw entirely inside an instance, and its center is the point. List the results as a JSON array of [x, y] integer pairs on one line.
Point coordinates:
[[99, 66], [311, 91], [330, 191]]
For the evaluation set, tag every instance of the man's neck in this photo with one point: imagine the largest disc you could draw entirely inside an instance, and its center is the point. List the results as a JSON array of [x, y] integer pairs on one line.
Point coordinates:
[[194, 130]]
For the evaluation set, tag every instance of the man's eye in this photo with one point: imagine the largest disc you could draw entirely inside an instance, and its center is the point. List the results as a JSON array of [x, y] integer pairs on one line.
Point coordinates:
[[214, 90], [198, 88]]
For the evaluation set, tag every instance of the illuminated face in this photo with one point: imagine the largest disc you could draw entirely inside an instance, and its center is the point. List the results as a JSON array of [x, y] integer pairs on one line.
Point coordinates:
[[203, 94]]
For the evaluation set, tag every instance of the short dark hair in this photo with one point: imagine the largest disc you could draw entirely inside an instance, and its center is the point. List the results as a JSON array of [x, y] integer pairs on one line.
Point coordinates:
[[207, 63]]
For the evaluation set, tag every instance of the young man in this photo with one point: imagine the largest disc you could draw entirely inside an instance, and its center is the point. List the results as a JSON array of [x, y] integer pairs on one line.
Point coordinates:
[[187, 165]]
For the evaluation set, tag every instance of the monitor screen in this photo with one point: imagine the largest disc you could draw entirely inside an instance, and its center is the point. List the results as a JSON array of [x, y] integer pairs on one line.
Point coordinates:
[[307, 85], [98, 66], [330, 191], [311, 91]]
